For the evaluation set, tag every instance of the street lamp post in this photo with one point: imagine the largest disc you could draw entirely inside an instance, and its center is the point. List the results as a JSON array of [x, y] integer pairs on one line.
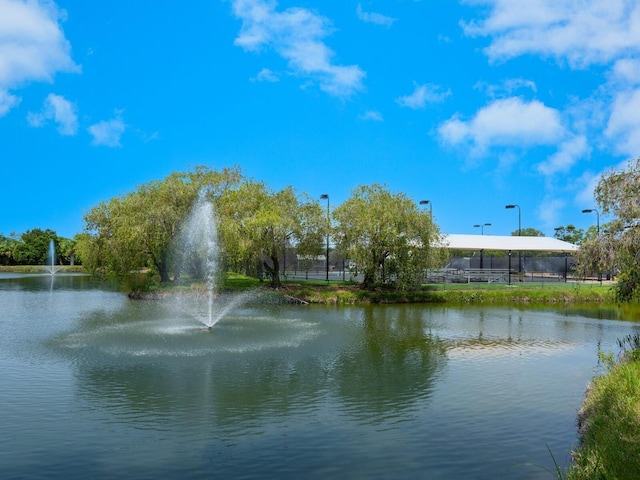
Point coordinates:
[[428, 202], [590, 210], [482, 233], [324, 196], [482, 227], [519, 234]]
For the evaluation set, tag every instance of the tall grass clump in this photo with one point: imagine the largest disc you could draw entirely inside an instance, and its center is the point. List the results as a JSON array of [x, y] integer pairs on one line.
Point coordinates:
[[609, 421]]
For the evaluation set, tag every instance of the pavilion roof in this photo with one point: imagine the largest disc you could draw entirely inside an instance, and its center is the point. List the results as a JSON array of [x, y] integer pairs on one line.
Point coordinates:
[[500, 242]]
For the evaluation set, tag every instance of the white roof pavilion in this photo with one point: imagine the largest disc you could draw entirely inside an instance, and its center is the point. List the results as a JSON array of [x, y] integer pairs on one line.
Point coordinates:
[[503, 242]]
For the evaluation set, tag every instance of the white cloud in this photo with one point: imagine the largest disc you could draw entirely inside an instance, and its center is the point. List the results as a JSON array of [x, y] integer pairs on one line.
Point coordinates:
[[505, 122], [7, 102], [58, 109], [581, 32], [586, 184], [568, 153], [372, 115], [627, 70], [297, 35], [507, 88], [623, 128], [107, 132], [422, 95], [266, 75], [32, 45], [549, 211], [376, 18]]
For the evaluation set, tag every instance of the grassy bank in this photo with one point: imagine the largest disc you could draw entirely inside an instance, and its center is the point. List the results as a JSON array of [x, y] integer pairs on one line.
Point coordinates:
[[321, 293], [345, 293], [610, 427], [40, 269]]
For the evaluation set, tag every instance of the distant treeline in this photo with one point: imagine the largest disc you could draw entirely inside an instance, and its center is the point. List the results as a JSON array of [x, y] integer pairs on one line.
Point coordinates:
[[32, 248]]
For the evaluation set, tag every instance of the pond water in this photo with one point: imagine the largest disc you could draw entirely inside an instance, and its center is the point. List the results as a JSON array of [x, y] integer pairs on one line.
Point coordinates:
[[94, 385]]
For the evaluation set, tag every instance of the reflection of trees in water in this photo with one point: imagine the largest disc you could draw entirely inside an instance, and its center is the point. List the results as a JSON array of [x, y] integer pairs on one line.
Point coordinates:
[[393, 366], [192, 394], [373, 364], [371, 372]]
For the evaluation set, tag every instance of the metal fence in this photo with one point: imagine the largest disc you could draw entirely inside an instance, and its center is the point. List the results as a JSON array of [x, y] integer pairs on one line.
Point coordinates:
[[487, 269]]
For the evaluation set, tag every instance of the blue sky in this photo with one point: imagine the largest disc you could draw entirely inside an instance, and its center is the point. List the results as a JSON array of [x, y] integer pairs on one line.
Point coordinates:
[[469, 104]]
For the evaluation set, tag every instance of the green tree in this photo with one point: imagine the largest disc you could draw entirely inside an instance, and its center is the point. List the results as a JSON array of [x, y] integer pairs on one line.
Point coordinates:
[[570, 234], [618, 246], [256, 223], [7, 247], [598, 255], [67, 250], [33, 247], [141, 229], [528, 232], [388, 236]]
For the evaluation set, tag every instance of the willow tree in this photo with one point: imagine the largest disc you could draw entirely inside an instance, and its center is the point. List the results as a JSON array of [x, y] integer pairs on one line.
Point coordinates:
[[256, 223], [141, 229], [617, 248], [390, 239]]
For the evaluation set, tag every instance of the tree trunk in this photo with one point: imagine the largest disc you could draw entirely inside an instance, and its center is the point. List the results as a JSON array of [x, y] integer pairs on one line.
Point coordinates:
[[163, 270], [369, 281], [274, 271]]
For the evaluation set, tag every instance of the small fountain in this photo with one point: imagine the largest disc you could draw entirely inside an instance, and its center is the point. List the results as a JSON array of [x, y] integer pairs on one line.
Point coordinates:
[[51, 259], [200, 258]]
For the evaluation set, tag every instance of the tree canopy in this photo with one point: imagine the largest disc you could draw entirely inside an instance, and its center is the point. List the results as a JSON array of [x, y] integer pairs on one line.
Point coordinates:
[[527, 232], [388, 237], [257, 223], [144, 228], [141, 229], [33, 247], [570, 234], [617, 248]]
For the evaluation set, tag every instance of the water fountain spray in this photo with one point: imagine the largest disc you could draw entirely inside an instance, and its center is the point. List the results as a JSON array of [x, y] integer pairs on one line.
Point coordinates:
[[200, 255]]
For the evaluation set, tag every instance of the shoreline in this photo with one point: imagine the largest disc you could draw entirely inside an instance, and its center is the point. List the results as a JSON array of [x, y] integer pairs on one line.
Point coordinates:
[[312, 294]]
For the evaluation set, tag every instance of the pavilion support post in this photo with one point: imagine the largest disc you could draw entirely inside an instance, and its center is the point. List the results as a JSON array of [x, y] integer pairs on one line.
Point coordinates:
[[509, 267]]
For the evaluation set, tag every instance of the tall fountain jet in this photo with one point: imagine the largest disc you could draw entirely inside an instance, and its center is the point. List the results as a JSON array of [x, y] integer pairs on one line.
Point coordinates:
[[51, 259], [200, 256]]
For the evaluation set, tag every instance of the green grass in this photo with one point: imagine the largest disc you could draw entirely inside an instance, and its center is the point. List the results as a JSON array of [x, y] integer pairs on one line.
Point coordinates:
[[236, 281], [610, 432], [40, 269], [527, 294], [523, 294], [348, 293]]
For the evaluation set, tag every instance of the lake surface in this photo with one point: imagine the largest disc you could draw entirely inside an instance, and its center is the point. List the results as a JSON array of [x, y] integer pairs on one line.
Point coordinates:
[[94, 385]]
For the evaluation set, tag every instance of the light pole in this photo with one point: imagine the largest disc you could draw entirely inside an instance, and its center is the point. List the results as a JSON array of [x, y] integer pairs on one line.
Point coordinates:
[[482, 233], [324, 196], [519, 234], [482, 227], [428, 202], [590, 210]]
